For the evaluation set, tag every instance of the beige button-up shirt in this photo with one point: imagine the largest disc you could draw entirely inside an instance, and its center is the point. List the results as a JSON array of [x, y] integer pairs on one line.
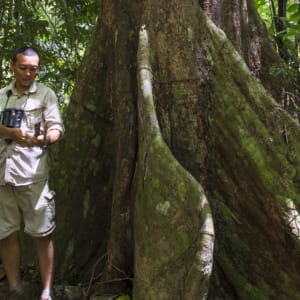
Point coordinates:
[[26, 165]]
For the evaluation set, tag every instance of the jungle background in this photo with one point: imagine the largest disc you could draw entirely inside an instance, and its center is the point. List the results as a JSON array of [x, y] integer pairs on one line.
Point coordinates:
[[95, 250]]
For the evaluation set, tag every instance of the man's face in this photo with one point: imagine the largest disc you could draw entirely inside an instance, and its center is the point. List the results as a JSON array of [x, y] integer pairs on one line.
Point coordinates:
[[25, 70]]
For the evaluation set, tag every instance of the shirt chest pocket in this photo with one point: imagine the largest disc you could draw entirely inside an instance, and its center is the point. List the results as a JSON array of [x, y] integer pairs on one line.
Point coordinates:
[[33, 118]]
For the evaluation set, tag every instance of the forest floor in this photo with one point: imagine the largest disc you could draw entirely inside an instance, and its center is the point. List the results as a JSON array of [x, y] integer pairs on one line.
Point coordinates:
[[32, 286]]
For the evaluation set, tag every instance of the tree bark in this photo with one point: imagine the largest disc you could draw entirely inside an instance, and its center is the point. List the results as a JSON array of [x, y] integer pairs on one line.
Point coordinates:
[[150, 146], [174, 232]]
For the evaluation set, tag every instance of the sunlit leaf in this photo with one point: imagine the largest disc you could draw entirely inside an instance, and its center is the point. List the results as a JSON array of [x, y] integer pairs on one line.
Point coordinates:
[[294, 7]]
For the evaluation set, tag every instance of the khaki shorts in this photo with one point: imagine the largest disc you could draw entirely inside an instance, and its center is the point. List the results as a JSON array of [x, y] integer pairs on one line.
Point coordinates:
[[34, 204]]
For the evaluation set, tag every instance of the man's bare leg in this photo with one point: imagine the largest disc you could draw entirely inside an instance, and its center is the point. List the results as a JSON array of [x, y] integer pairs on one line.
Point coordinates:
[[45, 253], [11, 257]]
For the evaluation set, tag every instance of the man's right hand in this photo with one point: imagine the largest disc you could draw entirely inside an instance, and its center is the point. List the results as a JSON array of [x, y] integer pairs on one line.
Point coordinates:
[[18, 135]]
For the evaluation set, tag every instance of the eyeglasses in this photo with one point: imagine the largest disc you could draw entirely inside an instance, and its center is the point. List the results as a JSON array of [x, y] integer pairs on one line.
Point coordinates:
[[31, 69]]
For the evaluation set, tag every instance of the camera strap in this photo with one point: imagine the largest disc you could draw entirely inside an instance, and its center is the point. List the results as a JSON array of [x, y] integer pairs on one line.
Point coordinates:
[[9, 94]]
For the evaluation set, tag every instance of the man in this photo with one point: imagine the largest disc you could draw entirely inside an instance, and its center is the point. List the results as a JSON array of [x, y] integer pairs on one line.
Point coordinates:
[[30, 122]]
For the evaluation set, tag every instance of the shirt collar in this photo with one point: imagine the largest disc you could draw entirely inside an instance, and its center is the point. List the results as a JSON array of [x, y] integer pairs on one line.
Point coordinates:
[[32, 88]]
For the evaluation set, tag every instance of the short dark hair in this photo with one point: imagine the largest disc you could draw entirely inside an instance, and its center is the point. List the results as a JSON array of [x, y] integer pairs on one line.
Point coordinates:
[[26, 50]]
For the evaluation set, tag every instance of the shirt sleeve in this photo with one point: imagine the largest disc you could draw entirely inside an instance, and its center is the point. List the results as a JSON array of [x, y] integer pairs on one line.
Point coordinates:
[[51, 114]]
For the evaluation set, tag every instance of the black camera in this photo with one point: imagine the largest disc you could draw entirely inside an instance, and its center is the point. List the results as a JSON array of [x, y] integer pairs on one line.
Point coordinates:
[[12, 118]]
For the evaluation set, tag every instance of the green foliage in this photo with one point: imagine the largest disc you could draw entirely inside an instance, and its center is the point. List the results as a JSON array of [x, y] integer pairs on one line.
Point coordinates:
[[263, 7], [59, 29], [282, 18], [291, 34], [289, 31]]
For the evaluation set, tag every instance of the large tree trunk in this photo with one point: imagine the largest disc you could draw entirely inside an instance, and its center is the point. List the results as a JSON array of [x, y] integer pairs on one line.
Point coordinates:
[[157, 138], [174, 232]]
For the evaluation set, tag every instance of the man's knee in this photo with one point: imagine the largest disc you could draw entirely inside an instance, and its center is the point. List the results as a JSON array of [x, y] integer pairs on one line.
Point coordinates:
[[12, 237]]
